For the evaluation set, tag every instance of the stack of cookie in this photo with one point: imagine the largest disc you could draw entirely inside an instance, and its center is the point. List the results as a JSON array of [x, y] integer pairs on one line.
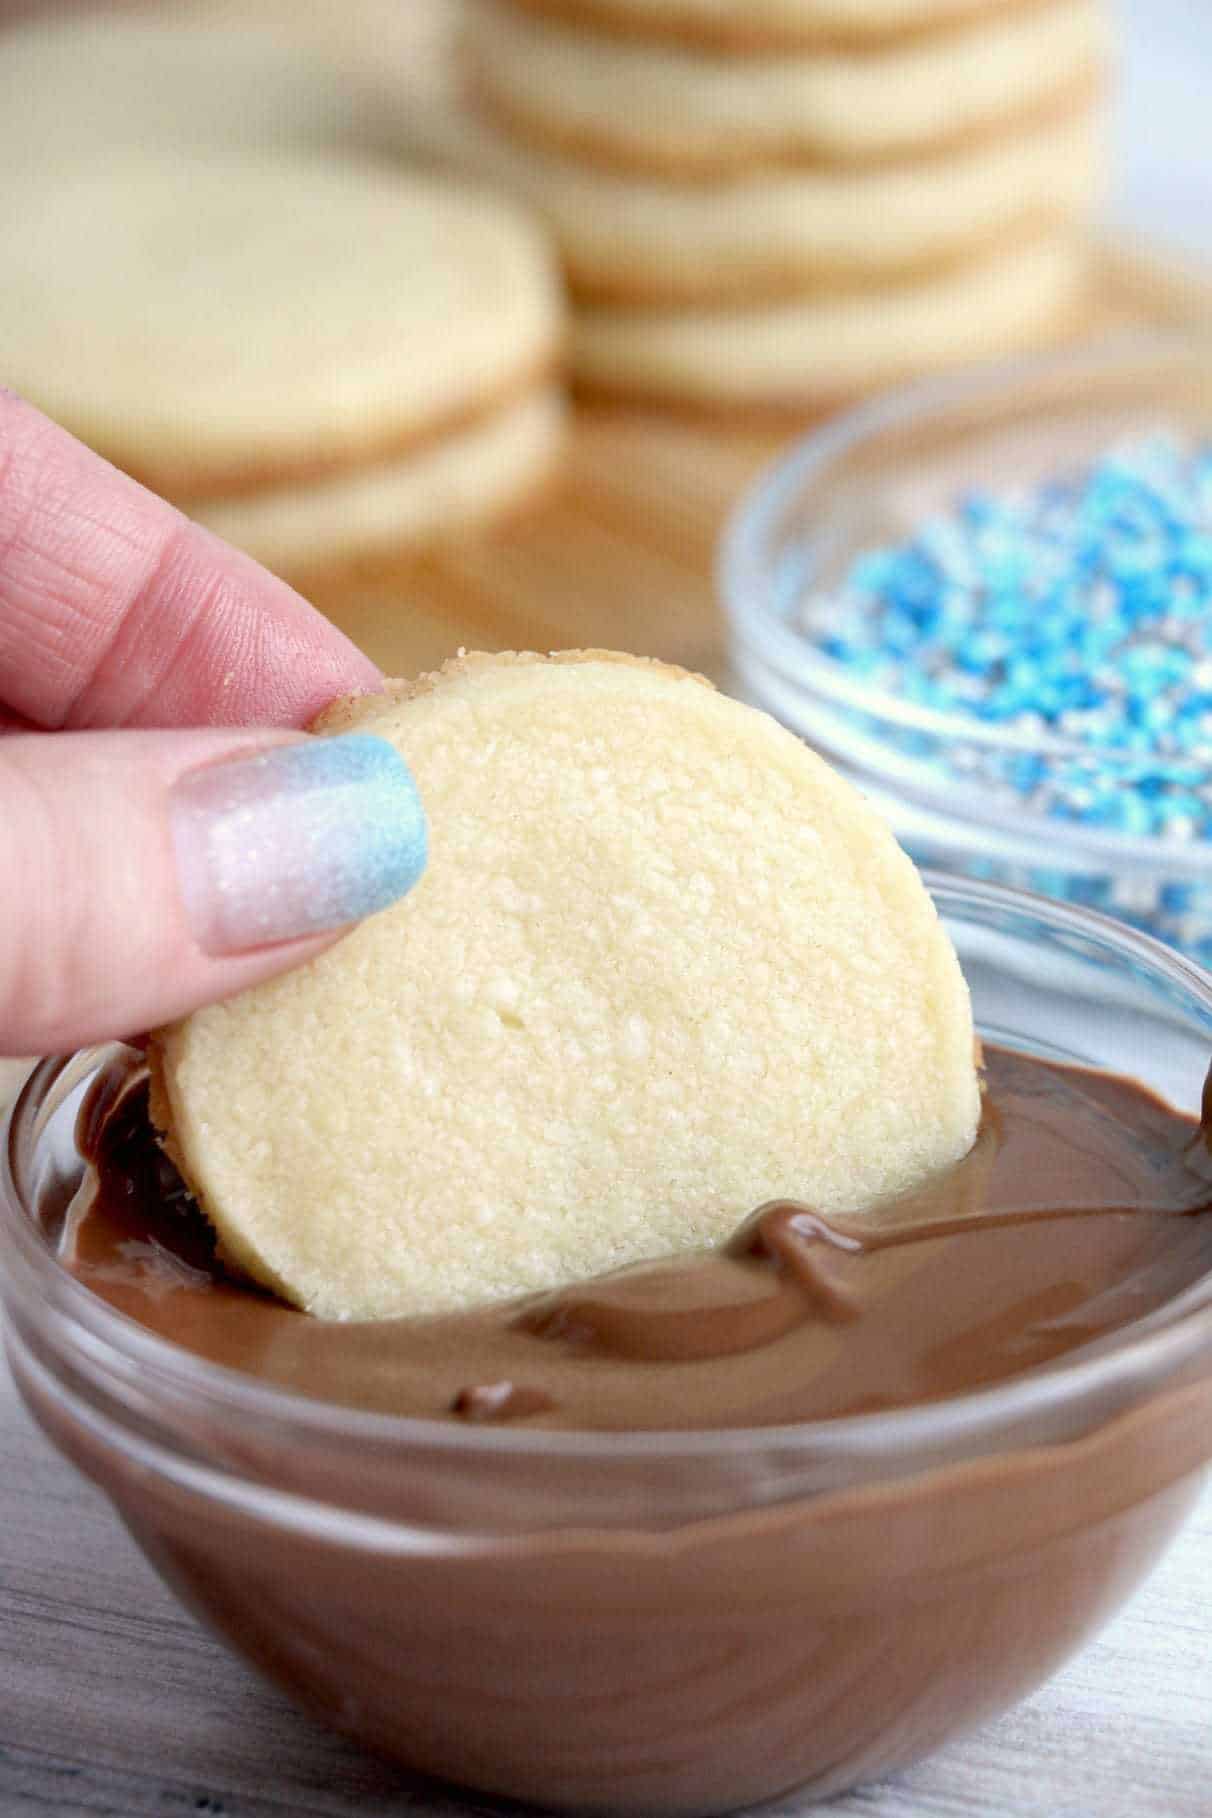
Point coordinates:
[[207, 279], [786, 201]]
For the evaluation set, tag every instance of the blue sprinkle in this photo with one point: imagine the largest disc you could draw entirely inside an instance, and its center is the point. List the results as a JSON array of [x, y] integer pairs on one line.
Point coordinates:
[[1078, 609]]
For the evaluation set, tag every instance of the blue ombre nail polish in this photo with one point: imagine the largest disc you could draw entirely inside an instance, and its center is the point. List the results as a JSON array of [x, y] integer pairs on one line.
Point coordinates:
[[295, 840]]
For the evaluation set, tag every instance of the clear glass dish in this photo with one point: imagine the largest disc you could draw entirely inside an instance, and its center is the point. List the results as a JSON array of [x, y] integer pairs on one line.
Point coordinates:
[[656, 1623], [948, 783]]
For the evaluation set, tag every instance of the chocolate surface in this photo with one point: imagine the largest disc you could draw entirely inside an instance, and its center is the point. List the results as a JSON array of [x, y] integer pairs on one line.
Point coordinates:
[[1078, 1212]]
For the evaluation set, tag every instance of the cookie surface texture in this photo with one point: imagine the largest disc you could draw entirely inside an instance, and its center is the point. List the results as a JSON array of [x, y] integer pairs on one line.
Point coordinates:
[[664, 965]]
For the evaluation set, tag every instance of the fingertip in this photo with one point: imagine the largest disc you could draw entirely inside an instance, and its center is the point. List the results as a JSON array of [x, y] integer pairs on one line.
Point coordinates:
[[108, 933], [303, 838]]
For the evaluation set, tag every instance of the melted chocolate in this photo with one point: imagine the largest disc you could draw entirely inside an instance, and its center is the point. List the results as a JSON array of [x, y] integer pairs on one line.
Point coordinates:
[[1078, 1212]]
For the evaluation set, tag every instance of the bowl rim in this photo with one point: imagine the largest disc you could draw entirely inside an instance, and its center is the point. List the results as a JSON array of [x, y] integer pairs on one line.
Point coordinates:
[[750, 536], [99, 1333]]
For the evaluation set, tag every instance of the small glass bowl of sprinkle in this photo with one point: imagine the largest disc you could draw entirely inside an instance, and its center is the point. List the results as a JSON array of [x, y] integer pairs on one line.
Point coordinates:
[[989, 600]]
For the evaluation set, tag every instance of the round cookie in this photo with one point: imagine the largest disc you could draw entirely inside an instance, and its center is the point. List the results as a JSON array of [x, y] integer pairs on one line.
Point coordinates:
[[686, 113], [814, 351], [627, 237], [242, 325], [664, 964], [765, 25]]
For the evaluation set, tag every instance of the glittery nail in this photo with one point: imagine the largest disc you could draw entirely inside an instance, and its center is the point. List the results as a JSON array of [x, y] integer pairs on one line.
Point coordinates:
[[295, 840]]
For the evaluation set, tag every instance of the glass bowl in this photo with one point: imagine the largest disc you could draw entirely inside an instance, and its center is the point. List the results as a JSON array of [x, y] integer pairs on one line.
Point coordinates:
[[952, 786], [656, 1623]]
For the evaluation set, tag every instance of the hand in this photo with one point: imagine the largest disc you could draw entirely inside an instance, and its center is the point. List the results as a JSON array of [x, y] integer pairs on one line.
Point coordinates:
[[142, 872]]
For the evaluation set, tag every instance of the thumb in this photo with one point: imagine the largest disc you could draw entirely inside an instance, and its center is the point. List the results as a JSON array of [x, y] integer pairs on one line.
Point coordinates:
[[145, 873]]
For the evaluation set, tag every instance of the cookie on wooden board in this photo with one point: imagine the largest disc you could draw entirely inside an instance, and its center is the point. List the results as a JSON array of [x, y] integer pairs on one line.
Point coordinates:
[[311, 354], [818, 350], [686, 113], [627, 236]]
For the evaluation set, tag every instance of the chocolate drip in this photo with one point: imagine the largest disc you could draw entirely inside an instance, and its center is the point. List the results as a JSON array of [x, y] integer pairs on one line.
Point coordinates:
[[797, 1241], [653, 1314]]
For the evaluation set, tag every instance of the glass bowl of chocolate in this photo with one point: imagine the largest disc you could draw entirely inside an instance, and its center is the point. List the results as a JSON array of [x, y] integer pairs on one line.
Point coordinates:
[[787, 1514], [988, 599]]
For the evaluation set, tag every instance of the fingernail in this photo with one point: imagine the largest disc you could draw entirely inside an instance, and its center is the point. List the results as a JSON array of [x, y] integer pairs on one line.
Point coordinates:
[[295, 840]]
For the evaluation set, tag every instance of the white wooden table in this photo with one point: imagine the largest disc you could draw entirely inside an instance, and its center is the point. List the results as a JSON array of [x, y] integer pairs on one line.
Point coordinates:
[[112, 1701]]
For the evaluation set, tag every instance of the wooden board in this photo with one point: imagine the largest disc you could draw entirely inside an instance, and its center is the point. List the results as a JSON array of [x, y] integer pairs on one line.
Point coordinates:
[[619, 551]]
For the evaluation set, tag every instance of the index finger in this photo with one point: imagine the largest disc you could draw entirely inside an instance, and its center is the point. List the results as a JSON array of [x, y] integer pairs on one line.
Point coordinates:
[[115, 610]]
